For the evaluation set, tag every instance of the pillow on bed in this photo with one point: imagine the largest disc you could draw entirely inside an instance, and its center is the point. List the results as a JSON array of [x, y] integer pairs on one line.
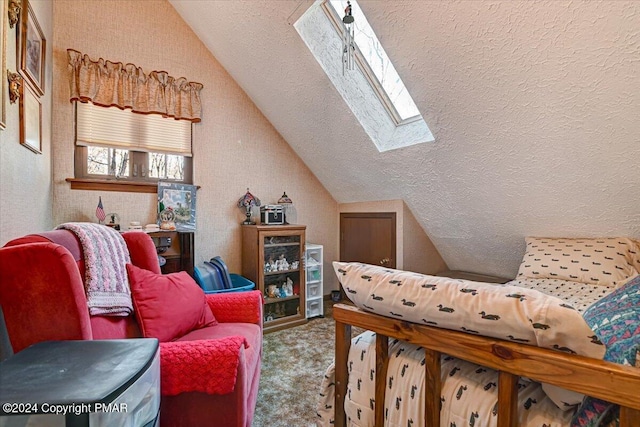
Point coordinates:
[[606, 261], [616, 321]]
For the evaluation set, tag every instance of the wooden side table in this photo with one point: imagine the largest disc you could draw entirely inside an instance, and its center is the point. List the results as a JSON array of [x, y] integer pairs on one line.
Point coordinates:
[[177, 248]]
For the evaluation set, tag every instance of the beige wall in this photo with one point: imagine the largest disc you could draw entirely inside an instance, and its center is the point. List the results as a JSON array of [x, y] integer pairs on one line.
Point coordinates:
[[420, 254], [25, 177], [414, 249], [234, 146]]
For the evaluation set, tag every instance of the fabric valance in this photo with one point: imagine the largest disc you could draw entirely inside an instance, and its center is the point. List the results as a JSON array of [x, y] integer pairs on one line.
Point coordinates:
[[127, 86]]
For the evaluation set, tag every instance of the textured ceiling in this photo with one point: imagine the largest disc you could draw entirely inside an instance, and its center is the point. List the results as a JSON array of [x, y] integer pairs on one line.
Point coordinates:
[[535, 109]]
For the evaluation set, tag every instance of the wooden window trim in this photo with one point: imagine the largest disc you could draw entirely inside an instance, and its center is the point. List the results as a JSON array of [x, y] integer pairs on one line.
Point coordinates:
[[114, 185], [125, 184]]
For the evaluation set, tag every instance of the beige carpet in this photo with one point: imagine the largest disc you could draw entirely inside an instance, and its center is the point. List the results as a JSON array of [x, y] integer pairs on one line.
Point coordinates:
[[293, 364]]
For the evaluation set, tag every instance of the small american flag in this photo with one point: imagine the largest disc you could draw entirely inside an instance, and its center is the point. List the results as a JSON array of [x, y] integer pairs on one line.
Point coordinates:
[[100, 211]]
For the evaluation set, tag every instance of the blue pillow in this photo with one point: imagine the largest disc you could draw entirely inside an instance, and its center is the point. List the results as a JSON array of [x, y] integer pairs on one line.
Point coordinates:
[[616, 321]]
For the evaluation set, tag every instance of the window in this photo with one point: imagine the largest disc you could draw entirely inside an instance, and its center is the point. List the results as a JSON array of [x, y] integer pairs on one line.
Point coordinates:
[[376, 62], [373, 90], [115, 144]]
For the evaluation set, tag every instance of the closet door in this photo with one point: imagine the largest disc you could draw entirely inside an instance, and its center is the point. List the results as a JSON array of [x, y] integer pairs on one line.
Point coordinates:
[[369, 238]]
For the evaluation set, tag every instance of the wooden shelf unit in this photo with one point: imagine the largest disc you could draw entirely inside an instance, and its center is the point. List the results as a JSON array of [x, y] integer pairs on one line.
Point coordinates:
[[262, 244]]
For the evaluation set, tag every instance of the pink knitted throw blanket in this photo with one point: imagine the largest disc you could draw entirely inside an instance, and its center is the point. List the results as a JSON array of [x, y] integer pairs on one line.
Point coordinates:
[[105, 259]]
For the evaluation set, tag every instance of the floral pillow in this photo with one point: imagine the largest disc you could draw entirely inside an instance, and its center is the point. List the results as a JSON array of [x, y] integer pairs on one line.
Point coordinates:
[[605, 261], [616, 321]]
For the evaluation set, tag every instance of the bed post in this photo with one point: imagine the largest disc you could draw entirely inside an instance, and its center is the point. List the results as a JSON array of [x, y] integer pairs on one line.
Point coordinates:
[[343, 343], [433, 386], [382, 362], [507, 399], [629, 417]]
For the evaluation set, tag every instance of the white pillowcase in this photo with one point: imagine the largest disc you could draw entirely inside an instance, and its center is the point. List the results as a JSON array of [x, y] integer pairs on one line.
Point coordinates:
[[606, 261]]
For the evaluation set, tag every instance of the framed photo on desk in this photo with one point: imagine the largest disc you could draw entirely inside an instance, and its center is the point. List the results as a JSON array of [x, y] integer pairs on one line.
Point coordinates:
[[181, 200]]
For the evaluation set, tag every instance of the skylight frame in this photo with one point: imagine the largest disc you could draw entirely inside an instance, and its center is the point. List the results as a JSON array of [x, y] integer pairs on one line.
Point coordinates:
[[369, 74], [319, 34]]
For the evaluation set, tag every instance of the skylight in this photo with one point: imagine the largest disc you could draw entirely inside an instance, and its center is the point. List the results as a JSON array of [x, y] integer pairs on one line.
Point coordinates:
[[372, 90], [377, 59]]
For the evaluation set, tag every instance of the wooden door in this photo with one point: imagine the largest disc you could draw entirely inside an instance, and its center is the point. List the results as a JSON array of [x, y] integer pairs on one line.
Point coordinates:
[[369, 238]]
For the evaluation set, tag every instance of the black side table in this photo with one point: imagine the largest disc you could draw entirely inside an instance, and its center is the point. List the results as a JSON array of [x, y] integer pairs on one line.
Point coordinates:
[[82, 383]]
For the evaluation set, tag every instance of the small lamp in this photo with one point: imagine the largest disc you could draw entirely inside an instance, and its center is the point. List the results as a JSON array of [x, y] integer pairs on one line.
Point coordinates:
[[247, 202], [287, 206]]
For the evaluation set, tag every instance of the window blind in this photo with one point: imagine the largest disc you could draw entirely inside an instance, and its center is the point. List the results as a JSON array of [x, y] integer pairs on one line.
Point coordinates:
[[115, 128]]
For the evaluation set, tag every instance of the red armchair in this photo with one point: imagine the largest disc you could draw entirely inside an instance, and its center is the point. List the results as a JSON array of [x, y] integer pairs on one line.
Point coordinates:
[[42, 297]]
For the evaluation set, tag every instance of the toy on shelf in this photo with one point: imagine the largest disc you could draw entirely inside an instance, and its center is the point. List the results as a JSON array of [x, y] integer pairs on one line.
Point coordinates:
[[167, 220]]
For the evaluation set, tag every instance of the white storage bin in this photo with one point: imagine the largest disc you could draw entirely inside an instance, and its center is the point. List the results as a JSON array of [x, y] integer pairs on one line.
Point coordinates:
[[314, 280], [314, 275], [314, 309], [313, 290]]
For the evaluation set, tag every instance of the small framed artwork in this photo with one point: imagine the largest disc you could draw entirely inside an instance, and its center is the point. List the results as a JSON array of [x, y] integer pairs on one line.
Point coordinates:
[[179, 201], [32, 48], [30, 120]]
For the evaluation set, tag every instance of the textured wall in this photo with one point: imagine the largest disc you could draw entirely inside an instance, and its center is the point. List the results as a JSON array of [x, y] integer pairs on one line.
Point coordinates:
[[533, 104], [25, 177], [420, 254], [235, 147]]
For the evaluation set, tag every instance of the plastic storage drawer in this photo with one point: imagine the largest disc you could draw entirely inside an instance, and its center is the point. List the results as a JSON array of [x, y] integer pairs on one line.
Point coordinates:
[[313, 308]]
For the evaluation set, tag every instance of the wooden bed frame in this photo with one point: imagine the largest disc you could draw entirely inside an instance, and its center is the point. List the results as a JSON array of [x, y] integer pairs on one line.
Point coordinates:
[[608, 381]]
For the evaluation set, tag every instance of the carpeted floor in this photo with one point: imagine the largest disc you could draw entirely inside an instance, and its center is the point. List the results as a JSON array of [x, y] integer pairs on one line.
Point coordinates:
[[293, 363]]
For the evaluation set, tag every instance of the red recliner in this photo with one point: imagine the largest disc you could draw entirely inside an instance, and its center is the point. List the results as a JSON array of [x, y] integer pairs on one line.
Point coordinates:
[[42, 298]]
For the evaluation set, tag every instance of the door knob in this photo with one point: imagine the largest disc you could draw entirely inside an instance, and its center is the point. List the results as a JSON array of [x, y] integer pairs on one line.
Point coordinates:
[[385, 261]]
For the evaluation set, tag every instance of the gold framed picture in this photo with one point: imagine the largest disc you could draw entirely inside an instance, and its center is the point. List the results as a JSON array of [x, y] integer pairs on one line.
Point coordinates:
[[32, 48], [30, 120]]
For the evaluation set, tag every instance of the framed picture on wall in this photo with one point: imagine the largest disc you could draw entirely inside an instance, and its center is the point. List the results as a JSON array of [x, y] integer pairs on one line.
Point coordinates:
[[30, 120], [31, 49]]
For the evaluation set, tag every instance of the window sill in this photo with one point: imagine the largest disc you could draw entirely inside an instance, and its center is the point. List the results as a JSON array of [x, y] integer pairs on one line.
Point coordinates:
[[102, 185]]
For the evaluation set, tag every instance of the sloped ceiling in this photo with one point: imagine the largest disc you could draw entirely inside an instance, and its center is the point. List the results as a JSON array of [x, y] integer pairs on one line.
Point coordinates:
[[535, 109]]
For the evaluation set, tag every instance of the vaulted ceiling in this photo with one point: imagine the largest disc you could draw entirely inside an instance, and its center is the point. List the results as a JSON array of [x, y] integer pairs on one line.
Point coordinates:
[[534, 106]]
